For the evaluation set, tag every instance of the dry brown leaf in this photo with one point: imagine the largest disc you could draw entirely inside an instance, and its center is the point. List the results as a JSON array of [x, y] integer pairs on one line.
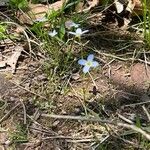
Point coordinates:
[[37, 11], [79, 7], [2, 64], [12, 61], [138, 7], [91, 4], [130, 7], [137, 3], [119, 6]]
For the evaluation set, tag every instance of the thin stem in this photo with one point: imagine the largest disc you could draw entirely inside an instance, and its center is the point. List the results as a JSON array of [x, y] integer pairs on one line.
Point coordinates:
[[92, 79], [120, 124]]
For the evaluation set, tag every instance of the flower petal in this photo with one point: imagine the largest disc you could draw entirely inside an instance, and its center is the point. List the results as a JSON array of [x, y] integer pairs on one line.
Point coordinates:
[[42, 19], [82, 62], [76, 25], [72, 33], [68, 23], [95, 64], [78, 31], [85, 31], [90, 57], [86, 69], [52, 33]]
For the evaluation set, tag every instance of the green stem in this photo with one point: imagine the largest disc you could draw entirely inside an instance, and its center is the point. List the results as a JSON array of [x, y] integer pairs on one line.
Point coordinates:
[[92, 79]]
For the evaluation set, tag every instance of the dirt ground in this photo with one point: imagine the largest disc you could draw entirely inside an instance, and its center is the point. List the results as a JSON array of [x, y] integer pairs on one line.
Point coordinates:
[[119, 84], [28, 100]]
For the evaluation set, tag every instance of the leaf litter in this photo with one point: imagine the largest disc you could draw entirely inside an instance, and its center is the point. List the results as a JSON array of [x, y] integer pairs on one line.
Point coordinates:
[[120, 82]]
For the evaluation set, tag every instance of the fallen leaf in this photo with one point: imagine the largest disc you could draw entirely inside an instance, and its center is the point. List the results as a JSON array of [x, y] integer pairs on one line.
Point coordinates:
[[90, 3], [93, 3], [38, 11], [12, 61], [130, 6], [75, 76], [119, 6], [2, 64], [19, 29], [1, 57]]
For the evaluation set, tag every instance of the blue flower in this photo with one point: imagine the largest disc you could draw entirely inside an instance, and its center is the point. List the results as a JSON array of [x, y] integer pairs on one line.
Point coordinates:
[[88, 63], [69, 24]]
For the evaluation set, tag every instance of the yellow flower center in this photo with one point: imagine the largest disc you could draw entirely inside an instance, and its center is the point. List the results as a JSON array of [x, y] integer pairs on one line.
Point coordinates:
[[89, 63]]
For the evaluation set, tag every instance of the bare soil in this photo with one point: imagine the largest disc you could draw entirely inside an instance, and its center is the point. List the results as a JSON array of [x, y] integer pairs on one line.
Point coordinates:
[[121, 81]]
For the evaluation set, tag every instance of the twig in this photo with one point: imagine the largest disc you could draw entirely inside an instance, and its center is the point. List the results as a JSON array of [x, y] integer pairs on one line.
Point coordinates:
[[93, 80], [81, 140], [146, 68], [77, 139], [67, 137], [81, 118], [80, 99], [99, 143], [29, 90], [133, 56], [44, 129], [133, 127], [9, 113], [129, 142], [24, 32], [135, 104], [146, 112], [125, 119], [41, 130], [24, 112], [120, 58]]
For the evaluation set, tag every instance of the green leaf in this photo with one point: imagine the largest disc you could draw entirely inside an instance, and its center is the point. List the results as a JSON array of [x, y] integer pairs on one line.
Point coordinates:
[[62, 31], [2, 32], [21, 4]]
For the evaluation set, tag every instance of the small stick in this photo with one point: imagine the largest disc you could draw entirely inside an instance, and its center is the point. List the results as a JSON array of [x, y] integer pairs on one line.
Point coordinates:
[[146, 112], [43, 128], [80, 99], [24, 32], [81, 118], [125, 119], [76, 139], [81, 140], [133, 127], [24, 112], [67, 137], [135, 104], [9, 113], [122, 59], [92, 80], [29, 90]]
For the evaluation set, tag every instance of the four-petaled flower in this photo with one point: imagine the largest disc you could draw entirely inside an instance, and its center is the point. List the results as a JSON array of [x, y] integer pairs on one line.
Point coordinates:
[[88, 63], [69, 24], [52, 33], [79, 32], [42, 19]]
